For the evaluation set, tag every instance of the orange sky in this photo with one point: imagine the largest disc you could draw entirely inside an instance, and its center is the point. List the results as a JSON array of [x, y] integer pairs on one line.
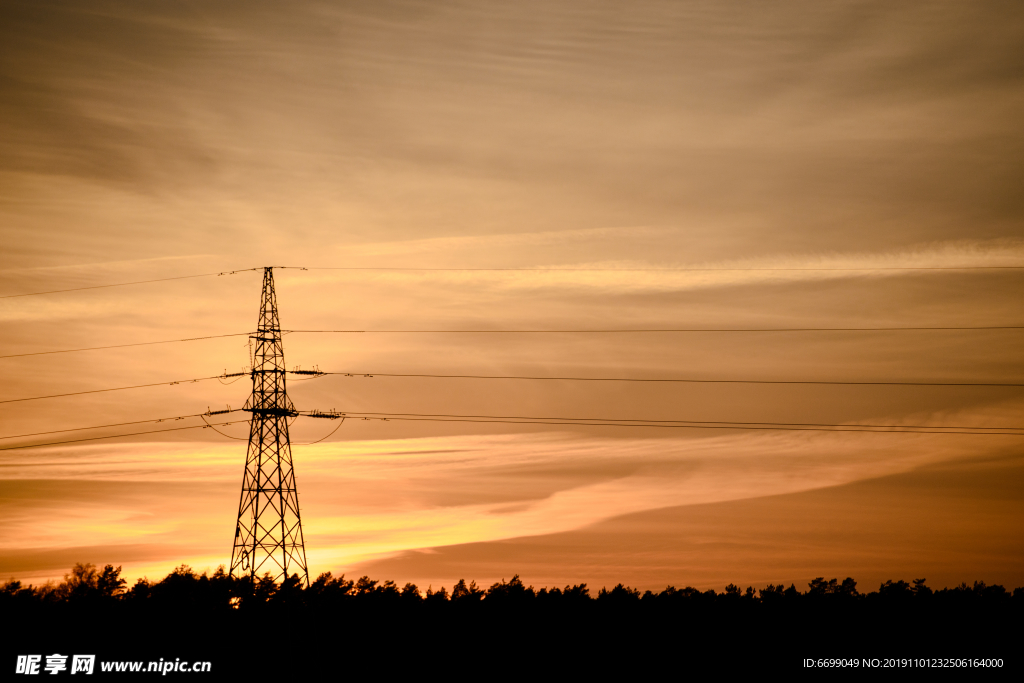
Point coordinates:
[[148, 140]]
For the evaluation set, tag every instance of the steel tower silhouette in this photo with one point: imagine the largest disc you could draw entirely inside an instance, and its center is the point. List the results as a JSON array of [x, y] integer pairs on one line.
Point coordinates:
[[268, 535]]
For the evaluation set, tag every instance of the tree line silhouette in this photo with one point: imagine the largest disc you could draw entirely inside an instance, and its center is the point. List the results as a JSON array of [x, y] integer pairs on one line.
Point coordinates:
[[183, 588], [210, 615]]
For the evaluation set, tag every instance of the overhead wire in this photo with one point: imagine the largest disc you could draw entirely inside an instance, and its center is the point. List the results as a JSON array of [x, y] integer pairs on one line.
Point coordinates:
[[681, 380], [547, 420], [214, 428], [724, 422], [559, 421], [100, 391], [125, 284], [117, 436], [324, 438], [116, 424], [202, 416], [237, 377], [648, 270], [122, 346], [670, 329], [555, 420], [540, 378], [694, 424], [1003, 430], [529, 270], [491, 331], [527, 331]]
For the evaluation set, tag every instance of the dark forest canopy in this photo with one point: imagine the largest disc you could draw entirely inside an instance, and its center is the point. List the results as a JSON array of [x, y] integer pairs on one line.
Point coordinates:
[[85, 584], [507, 627]]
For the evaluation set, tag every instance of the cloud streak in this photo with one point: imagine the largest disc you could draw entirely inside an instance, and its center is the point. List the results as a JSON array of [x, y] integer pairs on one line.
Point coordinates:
[[639, 276], [366, 500]]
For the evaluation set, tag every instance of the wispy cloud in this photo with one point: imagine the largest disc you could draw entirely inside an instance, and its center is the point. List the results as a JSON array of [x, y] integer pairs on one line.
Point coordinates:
[[370, 499], [634, 276]]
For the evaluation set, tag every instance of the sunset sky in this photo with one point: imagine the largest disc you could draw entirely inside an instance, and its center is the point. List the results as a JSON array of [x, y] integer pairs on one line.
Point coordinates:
[[589, 166]]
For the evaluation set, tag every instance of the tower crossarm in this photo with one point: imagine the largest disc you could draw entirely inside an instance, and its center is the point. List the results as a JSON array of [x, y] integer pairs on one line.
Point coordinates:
[[272, 412]]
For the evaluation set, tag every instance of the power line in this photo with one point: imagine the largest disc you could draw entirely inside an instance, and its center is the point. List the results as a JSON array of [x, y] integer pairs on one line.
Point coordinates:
[[100, 391], [609, 331], [652, 270], [556, 421], [117, 436], [125, 284], [696, 424], [121, 346], [585, 379], [677, 380], [586, 421], [720, 422], [227, 436], [529, 270], [116, 424], [613, 424], [670, 330]]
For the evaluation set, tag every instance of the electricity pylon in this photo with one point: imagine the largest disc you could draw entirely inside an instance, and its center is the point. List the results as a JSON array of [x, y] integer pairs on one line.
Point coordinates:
[[268, 535]]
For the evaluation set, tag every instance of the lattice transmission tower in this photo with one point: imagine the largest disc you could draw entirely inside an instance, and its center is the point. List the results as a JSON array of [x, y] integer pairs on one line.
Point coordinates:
[[268, 535]]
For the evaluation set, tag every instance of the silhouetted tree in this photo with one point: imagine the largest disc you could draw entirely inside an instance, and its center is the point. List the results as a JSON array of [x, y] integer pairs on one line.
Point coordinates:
[[576, 594], [79, 583], [289, 592], [820, 586], [376, 620], [184, 597], [513, 592], [109, 583], [330, 590], [463, 593], [141, 591], [434, 597], [365, 585], [620, 595], [411, 594], [264, 589], [895, 590]]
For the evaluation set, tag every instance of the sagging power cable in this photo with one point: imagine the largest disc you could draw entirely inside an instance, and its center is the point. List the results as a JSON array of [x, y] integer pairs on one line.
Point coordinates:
[[692, 424], [685, 380], [117, 436]]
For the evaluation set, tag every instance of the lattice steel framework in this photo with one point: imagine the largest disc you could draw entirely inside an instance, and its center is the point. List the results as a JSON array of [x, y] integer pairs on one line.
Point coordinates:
[[268, 536]]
